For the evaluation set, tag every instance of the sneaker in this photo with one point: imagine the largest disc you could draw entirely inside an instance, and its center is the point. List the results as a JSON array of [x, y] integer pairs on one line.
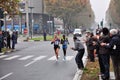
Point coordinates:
[[64, 58]]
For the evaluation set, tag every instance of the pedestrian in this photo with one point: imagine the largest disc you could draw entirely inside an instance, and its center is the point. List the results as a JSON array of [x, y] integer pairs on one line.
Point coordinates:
[[56, 42], [1, 41], [44, 34], [14, 39], [87, 37], [104, 55], [64, 42], [8, 40], [114, 46], [91, 47], [80, 48]]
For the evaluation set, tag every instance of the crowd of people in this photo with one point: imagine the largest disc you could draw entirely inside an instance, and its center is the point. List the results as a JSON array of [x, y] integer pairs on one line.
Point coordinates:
[[105, 44], [6, 38]]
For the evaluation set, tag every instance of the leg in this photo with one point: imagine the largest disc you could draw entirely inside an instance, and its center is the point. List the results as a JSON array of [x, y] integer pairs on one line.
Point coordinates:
[[0, 50], [78, 59], [13, 45], [102, 69], [64, 52], [92, 56], [106, 61]]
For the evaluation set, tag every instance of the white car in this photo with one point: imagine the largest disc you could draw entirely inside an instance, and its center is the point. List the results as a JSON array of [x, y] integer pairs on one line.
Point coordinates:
[[77, 32]]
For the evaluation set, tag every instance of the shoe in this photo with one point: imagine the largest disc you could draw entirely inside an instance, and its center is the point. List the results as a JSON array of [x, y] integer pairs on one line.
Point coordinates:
[[64, 58]]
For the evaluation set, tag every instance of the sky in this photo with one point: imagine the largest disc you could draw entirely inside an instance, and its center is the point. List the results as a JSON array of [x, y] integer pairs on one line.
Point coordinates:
[[99, 7]]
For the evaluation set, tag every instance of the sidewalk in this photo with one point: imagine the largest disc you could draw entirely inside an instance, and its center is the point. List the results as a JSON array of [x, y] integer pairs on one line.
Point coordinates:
[[112, 76]]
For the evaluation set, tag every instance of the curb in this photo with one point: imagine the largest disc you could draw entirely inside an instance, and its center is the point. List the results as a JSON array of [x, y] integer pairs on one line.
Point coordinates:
[[79, 73]]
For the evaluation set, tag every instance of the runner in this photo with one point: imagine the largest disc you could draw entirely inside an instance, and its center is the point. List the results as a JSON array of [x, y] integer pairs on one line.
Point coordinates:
[[64, 42], [56, 42]]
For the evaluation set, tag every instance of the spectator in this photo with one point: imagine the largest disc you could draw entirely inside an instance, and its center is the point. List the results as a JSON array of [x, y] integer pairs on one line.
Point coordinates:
[[80, 48], [114, 47]]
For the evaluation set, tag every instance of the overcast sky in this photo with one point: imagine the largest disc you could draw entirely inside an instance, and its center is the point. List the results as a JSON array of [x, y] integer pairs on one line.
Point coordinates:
[[99, 7]]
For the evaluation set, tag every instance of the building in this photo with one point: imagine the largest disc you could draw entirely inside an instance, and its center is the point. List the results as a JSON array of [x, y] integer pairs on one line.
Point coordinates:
[[38, 20]]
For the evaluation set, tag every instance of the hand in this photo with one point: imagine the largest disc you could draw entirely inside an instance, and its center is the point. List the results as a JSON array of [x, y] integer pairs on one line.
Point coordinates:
[[103, 44]]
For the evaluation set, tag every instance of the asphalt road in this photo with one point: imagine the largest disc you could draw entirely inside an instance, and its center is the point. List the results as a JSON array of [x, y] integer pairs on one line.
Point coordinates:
[[36, 61]]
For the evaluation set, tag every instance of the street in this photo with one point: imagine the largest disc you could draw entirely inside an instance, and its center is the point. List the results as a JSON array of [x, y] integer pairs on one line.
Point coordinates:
[[36, 61]]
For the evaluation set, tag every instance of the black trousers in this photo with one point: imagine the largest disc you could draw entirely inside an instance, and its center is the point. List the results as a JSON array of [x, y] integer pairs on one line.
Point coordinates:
[[79, 57], [116, 65], [104, 62], [91, 55]]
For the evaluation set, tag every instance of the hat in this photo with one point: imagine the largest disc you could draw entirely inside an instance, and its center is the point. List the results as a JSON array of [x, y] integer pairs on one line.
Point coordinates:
[[113, 31]]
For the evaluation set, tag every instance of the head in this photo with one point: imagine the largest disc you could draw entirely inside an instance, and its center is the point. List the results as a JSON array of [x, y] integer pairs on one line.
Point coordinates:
[[74, 38], [105, 31], [63, 36], [55, 36], [113, 32]]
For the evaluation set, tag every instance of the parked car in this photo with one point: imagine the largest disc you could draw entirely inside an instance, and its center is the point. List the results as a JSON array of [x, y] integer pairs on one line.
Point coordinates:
[[77, 32]]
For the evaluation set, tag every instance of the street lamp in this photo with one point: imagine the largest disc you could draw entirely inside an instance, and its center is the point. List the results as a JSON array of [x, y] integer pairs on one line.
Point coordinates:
[[5, 14], [31, 21]]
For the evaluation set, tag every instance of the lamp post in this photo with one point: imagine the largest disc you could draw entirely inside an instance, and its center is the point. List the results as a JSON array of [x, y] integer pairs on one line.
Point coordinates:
[[27, 18], [31, 21]]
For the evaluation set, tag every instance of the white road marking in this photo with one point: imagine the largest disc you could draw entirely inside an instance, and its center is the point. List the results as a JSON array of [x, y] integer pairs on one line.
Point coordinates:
[[35, 60], [53, 58], [29, 63], [2, 56], [39, 58], [68, 58], [7, 75], [13, 57], [1, 53], [26, 57]]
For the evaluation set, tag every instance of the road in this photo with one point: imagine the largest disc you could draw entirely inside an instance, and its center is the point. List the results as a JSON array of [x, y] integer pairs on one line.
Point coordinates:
[[36, 61]]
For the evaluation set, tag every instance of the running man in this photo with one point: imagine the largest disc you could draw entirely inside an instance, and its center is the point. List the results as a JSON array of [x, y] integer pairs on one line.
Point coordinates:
[[64, 42]]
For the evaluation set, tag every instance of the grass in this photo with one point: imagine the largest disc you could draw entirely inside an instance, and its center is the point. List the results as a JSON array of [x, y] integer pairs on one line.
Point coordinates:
[[91, 72], [41, 38]]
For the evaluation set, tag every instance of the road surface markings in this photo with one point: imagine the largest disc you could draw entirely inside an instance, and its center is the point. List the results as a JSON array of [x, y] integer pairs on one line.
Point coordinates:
[[13, 57], [39, 58], [52, 58], [34, 60], [2, 56], [26, 57], [5, 76], [68, 58]]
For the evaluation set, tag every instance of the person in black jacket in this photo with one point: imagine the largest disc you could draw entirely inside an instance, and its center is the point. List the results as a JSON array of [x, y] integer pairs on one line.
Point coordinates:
[[1, 41], [91, 47], [8, 40], [114, 46], [103, 54], [14, 39]]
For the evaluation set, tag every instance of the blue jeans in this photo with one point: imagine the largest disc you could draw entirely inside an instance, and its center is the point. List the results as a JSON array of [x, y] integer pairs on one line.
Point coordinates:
[[13, 44]]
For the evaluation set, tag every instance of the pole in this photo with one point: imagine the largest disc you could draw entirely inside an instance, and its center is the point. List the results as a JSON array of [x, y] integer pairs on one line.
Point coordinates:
[[31, 20], [27, 17]]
